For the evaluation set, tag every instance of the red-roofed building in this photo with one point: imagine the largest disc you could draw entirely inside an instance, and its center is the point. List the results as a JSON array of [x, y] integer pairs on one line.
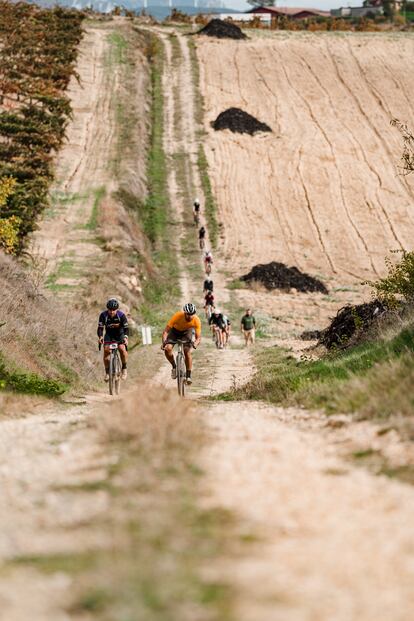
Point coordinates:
[[291, 12]]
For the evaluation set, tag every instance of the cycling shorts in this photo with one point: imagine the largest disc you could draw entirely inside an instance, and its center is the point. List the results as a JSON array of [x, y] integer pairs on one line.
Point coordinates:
[[118, 338], [178, 335]]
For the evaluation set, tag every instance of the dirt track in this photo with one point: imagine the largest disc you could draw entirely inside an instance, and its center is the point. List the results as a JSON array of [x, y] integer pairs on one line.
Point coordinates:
[[327, 541], [322, 191]]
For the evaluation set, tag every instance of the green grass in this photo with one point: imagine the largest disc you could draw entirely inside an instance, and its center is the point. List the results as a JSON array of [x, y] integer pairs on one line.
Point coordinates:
[[371, 378], [210, 205], [28, 383], [56, 563], [195, 69], [236, 284], [65, 269], [156, 206], [118, 49], [99, 195], [161, 289]]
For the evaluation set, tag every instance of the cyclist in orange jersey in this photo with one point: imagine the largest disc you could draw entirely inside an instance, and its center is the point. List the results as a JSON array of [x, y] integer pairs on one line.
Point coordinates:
[[181, 327]]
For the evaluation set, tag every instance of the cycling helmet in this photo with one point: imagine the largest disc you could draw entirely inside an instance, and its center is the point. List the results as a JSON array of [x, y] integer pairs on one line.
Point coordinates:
[[189, 309], [196, 201], [112, 304], [217, 311]]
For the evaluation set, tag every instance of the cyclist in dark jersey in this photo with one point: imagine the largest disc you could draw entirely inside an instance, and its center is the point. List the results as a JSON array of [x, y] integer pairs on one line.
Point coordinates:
[[113, 327], [208, 302], [218, 324], [208, 285], [201, 237]]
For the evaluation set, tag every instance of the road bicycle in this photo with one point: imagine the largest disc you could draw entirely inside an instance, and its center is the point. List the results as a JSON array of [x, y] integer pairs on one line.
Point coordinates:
[[196, 218], [201, 242], [208, 267], [115, 368], [180, 366]]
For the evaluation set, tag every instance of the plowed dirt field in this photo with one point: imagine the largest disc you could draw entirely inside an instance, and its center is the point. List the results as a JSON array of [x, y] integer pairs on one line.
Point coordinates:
[[322, 191]]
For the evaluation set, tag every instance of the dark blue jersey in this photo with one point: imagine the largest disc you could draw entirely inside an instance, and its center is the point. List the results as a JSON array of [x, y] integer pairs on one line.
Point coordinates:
[[114, 327]]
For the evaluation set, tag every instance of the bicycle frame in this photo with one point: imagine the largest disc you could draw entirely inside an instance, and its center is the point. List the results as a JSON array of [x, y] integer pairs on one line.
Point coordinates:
[[181, 368], [114, 368]]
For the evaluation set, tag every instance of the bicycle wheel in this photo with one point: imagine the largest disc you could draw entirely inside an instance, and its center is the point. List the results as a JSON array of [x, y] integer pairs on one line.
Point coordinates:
[[118, 372], [111, 383], [180, 374], [217, 339], [208, 269]]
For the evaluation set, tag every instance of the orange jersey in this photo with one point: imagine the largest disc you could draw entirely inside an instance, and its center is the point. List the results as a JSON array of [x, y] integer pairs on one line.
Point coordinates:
[[179, 322]]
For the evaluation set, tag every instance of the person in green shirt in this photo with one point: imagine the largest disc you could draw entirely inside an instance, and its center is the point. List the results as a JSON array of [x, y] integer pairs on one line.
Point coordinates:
[[247, 326]]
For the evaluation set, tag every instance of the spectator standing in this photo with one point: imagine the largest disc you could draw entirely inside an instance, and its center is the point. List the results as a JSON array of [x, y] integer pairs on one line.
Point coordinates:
[[248, 327]]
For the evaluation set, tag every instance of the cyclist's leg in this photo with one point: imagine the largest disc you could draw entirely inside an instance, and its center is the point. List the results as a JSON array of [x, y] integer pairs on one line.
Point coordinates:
[[124, 355], [188, 357], [106, 357], [169, 354]]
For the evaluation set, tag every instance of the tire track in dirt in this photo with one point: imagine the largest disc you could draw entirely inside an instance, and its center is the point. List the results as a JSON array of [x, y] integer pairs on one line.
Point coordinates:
[[370, 234], [357, 235], [327, 540], [312, 215], [356, 238], [84, 163], [378, 135]]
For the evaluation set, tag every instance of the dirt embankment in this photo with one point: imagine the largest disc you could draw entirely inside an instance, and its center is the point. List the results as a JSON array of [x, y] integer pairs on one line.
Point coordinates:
[[88, 226], [322, 192]]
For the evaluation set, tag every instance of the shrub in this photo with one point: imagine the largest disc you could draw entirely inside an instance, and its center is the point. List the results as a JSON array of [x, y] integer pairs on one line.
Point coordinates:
[[398, 285]]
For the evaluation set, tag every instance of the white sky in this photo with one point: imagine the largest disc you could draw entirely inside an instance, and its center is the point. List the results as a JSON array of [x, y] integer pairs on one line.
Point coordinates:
[[241, 5]]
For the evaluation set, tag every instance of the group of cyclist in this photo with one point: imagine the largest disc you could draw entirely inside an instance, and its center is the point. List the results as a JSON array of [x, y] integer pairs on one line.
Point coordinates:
[[219, 322], [184, 325]]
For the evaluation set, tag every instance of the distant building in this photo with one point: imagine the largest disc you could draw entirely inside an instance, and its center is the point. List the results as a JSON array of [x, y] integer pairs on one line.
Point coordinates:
[[369, 7], [396, 4], [246, 17], [290, 12], [357, 11]]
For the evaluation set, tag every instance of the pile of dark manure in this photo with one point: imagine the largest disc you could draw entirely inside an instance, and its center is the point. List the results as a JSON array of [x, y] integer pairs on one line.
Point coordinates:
[[222, 30], [239, 121], [276, 275]]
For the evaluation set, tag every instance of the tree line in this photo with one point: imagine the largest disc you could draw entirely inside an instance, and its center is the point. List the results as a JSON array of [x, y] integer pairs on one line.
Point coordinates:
[[38, 51]]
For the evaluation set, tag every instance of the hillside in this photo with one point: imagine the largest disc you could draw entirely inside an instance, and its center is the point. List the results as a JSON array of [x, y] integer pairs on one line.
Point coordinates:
[[281, 486], [323, 191]]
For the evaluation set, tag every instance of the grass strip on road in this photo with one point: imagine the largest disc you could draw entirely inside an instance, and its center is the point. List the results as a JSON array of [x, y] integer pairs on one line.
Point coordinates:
[[210, 205], [156, 541]]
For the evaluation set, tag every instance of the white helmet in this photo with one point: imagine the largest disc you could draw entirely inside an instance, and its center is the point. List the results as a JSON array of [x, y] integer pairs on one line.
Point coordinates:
[[196, 201], [189, 309]]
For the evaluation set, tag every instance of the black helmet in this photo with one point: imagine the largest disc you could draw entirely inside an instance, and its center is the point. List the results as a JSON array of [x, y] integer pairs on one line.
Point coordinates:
[[189, 309], [112, 304]]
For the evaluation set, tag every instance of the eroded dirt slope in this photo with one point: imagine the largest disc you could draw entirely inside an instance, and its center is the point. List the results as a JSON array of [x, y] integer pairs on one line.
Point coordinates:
[[322, 192]]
